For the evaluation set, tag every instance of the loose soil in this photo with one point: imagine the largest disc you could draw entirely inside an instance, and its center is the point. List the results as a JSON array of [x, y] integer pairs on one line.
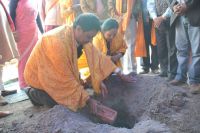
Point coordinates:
[[150, 105]]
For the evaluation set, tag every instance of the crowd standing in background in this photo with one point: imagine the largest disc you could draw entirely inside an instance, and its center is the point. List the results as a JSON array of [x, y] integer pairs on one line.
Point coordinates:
[[158, 10]]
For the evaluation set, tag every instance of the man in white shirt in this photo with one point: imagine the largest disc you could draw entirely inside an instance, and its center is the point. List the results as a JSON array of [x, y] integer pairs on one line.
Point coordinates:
[[160, 12]]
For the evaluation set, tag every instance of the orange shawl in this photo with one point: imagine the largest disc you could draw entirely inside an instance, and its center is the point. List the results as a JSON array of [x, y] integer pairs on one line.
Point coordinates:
[[118, 45], [140, 46], [52, 67], [127, 16]]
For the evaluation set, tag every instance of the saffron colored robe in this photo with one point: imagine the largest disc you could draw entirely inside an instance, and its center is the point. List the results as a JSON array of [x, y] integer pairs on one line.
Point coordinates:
[[52, 67], [118, 45]]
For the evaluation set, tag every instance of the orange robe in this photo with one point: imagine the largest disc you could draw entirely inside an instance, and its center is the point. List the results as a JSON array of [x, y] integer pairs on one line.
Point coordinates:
[[127, 15], [118, 45], [52, 67]]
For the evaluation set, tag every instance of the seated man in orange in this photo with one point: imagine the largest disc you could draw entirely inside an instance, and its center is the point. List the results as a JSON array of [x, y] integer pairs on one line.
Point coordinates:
[[109, 41], [52, 70]]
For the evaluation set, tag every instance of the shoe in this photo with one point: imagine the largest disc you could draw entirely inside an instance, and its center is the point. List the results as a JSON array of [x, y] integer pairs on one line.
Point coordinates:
[[155, 71], [144, 71], [3, 101], [176, 82], [195, 88], [5, 113], [163, 74], [170, 78], [8, 92]]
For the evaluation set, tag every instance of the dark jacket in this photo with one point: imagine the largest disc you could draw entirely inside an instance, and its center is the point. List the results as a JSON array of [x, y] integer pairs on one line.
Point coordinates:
[[193, 12]]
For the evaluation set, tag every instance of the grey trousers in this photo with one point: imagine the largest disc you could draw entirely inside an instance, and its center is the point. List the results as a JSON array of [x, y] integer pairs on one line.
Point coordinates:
[[188, 45], [167, 49]]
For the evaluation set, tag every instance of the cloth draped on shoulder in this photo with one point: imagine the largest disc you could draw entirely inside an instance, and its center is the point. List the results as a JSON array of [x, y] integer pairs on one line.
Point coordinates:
[[118, 45], [140, 44], [52, 67]]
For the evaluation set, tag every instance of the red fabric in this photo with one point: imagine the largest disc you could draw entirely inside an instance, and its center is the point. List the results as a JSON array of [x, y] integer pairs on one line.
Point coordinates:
[[12, 26]]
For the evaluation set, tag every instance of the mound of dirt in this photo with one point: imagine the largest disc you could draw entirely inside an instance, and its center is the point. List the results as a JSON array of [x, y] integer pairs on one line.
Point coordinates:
[[150, 105], [61, 120]]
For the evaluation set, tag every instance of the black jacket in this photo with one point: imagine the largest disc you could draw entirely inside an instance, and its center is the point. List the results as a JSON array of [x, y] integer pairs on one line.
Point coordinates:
[[193, 12]]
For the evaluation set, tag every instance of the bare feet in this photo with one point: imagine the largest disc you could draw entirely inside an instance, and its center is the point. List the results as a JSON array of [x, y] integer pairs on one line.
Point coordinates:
[[5, 113]]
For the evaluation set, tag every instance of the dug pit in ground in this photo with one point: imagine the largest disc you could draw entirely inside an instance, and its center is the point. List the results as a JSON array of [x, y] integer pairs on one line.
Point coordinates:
[[149, 105]]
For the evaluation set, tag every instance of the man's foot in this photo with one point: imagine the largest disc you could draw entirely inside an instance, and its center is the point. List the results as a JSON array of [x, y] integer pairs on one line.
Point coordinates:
[[195, 88], [5, 113], [163, 74], [144, 71], [133, 74], [155, 71], [170, 78], [8, 92], [176, 82]]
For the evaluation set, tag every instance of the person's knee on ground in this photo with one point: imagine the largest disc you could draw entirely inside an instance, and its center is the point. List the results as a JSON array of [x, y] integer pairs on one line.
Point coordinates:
[[39, 97]]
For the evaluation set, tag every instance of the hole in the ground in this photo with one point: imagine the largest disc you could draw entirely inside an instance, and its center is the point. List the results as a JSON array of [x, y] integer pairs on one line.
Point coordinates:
[[124, 118]]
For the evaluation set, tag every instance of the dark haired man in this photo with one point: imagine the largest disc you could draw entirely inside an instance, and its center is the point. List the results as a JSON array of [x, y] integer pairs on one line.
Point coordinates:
[[52, 70]]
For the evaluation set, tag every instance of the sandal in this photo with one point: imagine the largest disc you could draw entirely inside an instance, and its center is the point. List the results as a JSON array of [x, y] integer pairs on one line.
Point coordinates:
[[8, 92]]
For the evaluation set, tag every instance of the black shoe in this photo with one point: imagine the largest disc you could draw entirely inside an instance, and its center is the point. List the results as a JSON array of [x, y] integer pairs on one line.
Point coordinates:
[[176, 82], [163, 74], [144, 71], [195, 88], [8, 92], [155, 71], [170, 78]]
